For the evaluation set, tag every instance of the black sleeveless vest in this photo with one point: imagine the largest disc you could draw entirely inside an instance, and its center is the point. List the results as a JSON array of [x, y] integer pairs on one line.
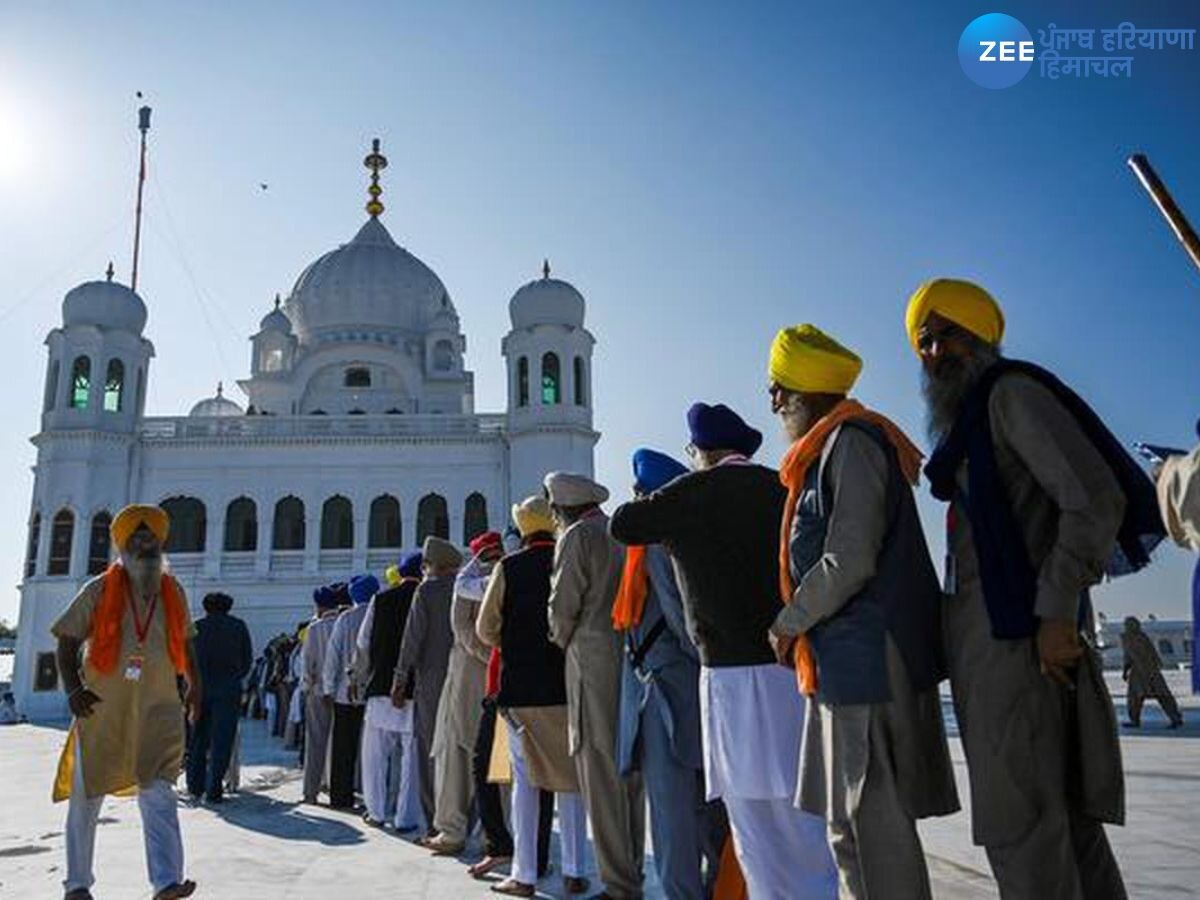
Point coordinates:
[[903, 599], [387, 631], [531, 667]]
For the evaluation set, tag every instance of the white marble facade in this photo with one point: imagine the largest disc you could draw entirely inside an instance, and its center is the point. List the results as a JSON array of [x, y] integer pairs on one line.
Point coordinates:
[[359, 436]]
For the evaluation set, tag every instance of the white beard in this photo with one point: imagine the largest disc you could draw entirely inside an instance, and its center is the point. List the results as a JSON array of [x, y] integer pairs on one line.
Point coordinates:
[[144, 574]]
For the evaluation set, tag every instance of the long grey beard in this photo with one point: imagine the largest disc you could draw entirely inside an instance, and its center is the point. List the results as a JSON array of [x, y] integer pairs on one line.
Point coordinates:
[[144, 574], [944, 394]]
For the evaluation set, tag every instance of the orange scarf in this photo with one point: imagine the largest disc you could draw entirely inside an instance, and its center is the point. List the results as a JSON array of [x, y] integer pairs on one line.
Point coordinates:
[[631, 596], [792, 472], [105, 645]]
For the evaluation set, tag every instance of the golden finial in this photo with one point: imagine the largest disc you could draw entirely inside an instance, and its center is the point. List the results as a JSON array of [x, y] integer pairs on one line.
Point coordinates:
[[545, 268], [220, 389], [277, 299], [110, 271], [376, 162]]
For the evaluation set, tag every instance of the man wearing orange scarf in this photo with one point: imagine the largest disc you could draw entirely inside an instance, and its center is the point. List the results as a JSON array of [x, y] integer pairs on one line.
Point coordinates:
[[861, 621], [121, 643]]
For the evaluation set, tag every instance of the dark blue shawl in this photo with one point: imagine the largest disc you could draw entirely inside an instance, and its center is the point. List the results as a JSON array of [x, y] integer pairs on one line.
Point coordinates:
[[1009, 579]]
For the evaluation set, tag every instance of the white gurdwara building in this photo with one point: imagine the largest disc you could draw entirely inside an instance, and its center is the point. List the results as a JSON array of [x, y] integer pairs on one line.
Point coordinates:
[[359, 439]]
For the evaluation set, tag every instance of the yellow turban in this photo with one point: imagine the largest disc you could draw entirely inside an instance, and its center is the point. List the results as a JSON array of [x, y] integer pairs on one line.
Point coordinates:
[[805, 359], [962, 302], [392, 575], [133, 517], [532, 515]]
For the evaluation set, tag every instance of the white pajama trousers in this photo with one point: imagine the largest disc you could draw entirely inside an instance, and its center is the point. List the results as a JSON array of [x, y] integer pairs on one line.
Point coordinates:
[[526, 797], [383, 752], [160, 830], [783, 852]]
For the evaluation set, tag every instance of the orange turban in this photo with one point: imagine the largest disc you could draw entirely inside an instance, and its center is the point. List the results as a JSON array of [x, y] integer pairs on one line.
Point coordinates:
[[131, 518]]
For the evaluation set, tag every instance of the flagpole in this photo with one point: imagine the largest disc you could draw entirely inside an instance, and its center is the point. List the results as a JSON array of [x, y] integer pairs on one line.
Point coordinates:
[[143, 127], [1166, 205]]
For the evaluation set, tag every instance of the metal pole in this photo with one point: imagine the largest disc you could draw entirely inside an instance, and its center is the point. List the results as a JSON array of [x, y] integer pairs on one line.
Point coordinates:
[[143, 127], [1166, 205]]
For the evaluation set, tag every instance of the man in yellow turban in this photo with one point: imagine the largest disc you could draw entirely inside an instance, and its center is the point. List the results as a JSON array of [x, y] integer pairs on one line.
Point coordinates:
[[861, 621], [1040, 493], [127, 734]]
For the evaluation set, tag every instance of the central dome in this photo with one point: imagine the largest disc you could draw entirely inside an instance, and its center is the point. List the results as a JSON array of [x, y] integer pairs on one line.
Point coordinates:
[[371, 282]]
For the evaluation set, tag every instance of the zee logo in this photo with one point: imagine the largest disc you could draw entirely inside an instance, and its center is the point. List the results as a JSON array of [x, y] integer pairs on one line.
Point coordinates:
[[995, 51], [1008, 50]]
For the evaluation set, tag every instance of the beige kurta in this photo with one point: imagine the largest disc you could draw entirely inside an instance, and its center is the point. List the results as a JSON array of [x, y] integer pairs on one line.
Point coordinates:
[[1179, 498], [587, 573], [908, 730], [462, 695], [1012, 717], [135, 734]]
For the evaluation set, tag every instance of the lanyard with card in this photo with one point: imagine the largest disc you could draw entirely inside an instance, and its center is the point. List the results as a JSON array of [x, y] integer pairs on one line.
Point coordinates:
[[133, 668]]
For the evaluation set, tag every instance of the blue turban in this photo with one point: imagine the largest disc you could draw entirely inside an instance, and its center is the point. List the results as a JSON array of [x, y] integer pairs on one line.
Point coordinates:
[[720, 428], [363, 588], [652, 470], [324, 597], [410, 564]]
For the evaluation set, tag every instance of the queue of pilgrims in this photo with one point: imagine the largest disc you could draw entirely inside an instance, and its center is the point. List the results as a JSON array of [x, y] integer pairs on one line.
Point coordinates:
[[752, 654]]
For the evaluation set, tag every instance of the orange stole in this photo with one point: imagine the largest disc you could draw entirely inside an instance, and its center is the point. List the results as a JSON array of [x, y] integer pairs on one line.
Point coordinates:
[[105, 646], [792, 472], [631, 596]]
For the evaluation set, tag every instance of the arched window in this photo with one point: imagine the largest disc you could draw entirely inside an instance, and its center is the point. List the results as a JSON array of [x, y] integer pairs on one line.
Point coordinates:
[[337, 524], [551, 380], [357, 412], [384, 527], [51, 386], [433, 519], [99, 543], [114, 386], [475, 520], [358, 378], [580, 382], [141, 392], [62, 531], [523, 381], [189, 525], [241, 526], [287, 531], [443, 356], [1165, 647], [81, 382], [31, 553]]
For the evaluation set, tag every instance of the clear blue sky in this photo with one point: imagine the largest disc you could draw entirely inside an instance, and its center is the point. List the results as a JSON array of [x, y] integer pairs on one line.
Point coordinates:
[[704, 174]]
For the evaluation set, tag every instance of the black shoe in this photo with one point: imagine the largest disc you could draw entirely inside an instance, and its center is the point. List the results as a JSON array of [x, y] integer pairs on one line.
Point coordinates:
[[215, 798]]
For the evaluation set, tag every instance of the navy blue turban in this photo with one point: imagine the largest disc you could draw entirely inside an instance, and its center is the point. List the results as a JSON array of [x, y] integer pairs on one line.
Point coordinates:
[[720, 428], [324, 597]]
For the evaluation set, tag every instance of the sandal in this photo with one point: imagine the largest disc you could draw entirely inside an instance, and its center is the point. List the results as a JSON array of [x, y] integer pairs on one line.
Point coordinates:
[[487, 865], [514, 888], [176, 891]]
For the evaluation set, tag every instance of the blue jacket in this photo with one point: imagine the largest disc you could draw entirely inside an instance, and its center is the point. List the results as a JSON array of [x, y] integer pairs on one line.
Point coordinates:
[[223, 654], [668, 685]]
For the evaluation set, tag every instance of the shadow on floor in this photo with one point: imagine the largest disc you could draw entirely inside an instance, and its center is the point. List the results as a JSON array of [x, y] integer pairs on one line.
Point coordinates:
[[288, 821]]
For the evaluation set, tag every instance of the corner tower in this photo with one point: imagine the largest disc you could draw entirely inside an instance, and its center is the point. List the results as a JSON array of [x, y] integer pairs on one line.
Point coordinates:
[[548, 353]]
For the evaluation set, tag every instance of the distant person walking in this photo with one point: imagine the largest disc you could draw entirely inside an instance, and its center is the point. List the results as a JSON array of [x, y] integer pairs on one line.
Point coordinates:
[[1143, 671], [132, 631], [224, 657]]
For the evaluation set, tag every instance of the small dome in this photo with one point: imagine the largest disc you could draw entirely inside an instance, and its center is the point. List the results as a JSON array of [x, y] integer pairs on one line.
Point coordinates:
[[547, 301], [104, 304], [217, 406], [276, 320]]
